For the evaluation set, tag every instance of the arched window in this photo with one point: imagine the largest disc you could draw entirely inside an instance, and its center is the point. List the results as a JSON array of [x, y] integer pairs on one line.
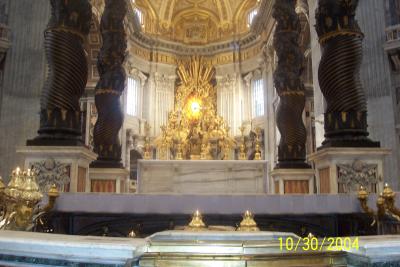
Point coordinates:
[[250, 17], [257, 97], [133, 96], [140, 15]]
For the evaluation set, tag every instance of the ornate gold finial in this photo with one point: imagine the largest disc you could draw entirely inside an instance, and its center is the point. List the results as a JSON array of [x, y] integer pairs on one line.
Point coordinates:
[[248, 224], [388, 192], [196, 224], [132, 234], [53, 191], [362, 193]]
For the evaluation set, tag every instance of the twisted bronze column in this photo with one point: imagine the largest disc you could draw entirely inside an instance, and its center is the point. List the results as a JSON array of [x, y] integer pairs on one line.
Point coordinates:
[[110, 86], [60, 114], [289, 86], [339, 74]]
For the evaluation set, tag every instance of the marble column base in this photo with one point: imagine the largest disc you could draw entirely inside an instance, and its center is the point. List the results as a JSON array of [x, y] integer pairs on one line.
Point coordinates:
[[292, 181], [109, 180], [57, 162], [343, 170]]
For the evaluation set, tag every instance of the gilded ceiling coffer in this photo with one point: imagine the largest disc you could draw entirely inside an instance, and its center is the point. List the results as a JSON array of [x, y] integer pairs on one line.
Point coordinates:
[[339, 74], [60, 114], [110, 86], [289, 86]]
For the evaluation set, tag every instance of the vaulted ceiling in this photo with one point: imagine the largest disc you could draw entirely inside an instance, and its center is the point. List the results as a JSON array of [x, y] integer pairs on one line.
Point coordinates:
[[195, 21]]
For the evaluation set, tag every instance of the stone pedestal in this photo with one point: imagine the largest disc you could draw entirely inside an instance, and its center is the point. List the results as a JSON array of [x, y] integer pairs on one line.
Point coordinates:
[[108, 180], [67, 167], [292, 181], [202, 177], [343, 170]]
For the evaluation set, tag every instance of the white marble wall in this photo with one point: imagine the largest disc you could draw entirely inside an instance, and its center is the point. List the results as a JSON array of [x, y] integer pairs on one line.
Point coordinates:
[[226, 98], [202, 177], [165, 94], [159, 100]]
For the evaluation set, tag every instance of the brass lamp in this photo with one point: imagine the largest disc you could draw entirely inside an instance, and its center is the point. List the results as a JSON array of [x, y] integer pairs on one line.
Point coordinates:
[[19, 201], [385, 203], [389, 197]]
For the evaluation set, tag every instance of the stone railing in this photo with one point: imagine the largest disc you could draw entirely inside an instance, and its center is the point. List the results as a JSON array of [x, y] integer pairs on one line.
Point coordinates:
[[393, 33]]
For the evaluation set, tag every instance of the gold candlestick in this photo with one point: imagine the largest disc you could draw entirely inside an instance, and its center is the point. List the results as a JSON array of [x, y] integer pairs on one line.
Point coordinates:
[[204, 152], [179, 154], [257, 156], [147, 147], [242, 154]]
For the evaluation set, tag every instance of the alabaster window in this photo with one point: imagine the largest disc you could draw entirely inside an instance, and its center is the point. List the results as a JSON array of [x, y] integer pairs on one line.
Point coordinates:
[[250, 17], [257, 97], [140, 16], [133, 97]]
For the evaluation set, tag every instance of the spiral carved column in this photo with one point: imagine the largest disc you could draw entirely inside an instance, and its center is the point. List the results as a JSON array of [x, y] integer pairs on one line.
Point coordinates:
[[289, 86], [110, 86], [339, 75], [60, 114]]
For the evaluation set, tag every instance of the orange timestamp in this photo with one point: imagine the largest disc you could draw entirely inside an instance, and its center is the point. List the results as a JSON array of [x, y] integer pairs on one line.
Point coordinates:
[[294, 244]]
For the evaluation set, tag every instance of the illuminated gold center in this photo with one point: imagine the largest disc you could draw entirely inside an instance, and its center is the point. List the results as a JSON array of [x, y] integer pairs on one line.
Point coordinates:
[[195, 106]]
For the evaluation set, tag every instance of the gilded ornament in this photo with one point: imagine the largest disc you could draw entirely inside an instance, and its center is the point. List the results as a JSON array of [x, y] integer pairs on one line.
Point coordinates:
[[194, 120], [196, 224], [248, 224], [19, 206]]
